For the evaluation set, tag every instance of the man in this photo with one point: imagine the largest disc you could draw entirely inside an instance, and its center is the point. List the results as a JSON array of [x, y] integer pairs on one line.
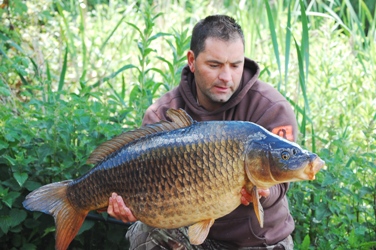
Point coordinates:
[[219, 83]]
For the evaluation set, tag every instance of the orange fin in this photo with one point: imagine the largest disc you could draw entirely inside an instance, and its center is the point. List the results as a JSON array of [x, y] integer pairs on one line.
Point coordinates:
[[257, 206], [198, 232], [52, 199], [259, 210], [180, 119]]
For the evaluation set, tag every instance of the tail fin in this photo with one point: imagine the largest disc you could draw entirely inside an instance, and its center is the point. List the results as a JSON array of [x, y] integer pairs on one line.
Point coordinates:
[[52, 199]]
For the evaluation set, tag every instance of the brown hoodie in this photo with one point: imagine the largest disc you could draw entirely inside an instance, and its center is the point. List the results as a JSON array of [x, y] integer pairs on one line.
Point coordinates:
[[257, 102]]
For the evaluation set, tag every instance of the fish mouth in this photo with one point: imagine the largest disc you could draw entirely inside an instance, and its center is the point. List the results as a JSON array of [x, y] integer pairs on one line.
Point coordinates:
[[313, 167]]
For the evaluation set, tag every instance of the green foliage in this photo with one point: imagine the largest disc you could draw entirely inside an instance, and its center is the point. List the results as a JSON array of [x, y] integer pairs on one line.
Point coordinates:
[[81, 72], [43, 142]]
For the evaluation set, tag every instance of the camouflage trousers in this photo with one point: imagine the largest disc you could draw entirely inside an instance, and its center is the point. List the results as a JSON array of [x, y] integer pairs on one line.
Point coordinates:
[[143, 237]]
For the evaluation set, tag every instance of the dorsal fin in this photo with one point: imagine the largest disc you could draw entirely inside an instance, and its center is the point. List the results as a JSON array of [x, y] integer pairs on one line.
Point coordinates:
[[179, 119]]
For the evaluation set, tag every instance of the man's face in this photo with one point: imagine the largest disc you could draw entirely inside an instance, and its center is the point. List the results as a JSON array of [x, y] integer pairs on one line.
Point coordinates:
[[218, 71]]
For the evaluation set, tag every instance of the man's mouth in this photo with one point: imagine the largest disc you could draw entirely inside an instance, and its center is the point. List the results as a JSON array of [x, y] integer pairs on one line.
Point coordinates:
[[221, 88]]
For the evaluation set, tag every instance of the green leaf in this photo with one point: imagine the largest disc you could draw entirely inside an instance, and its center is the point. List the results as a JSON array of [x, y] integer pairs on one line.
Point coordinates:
[[368, 245], [274, 39], [3, 191], [111, 34], [10, 160], [28, 246], [353, 239], [32, 185], [136, 28], [3, 144], [305, 37], [43, 151], [287, 44], [159, 34], [3, 37], [10, 197], [17, 216], [366, 191], [4, 223], [322, 212], [49, 230], [125, 67], [4, 91], [306, 242], [63, 70], [14, 218], [31, 223], [19, 7], [20, 178], [87, 225], [328, 179]]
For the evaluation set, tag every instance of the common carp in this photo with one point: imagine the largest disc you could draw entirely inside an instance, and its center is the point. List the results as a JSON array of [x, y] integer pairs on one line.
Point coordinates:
[[176, 173]]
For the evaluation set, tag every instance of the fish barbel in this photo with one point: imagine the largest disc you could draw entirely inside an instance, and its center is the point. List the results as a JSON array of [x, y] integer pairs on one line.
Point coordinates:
[[176, 173]]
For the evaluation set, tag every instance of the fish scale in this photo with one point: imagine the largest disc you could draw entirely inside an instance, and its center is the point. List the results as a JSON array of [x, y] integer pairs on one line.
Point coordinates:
[[178, 173], [182, 175]]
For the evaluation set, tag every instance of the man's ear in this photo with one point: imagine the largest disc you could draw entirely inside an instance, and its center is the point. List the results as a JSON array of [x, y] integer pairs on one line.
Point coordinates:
[[191, 60]]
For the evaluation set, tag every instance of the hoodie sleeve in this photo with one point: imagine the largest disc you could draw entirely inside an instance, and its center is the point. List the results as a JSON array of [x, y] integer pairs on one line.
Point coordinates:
[[150, 117], [277, 193], [157, 111]]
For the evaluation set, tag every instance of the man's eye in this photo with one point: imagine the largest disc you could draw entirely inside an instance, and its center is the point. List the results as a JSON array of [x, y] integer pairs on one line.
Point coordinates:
[[213, 65]]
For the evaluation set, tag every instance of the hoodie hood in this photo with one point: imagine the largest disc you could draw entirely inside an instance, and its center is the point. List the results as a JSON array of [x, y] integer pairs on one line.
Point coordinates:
[[187, 89]]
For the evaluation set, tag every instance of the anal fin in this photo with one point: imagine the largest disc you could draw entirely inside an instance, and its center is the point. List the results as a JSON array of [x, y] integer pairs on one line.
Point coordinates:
[[68, 223], [198, 232]]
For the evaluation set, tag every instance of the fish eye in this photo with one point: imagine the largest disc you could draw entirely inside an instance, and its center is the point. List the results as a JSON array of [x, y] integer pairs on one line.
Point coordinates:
[[285, 155]]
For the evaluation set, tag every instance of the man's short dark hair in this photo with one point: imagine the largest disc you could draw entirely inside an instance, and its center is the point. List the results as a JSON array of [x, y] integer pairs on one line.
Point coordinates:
[[217, 26]]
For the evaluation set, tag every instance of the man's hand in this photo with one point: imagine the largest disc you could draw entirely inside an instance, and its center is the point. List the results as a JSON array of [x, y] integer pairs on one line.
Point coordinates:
[[246, 197], [118, 209]]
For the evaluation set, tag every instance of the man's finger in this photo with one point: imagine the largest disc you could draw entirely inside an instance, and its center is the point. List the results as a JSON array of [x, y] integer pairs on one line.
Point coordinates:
[[115, 206], [110, 208], [129, 215], [264, 192], [244, 201], [246, 198], [118, 209]]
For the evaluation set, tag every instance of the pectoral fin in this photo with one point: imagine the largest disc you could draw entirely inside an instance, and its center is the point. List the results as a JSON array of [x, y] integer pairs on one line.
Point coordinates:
[[198, 232], [257, 206]]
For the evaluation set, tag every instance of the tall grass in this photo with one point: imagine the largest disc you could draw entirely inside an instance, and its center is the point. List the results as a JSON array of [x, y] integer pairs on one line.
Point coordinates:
[[83, 71]]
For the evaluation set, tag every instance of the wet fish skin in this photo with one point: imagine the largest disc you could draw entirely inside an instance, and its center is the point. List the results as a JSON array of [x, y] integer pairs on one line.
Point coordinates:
[[177, 173], [162, 176]]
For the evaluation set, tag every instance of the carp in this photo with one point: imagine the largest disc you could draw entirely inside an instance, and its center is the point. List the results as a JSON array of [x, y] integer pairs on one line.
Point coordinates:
[[176, 173]]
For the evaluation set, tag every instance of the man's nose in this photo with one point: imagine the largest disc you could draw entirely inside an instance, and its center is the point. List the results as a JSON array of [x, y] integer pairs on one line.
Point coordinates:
[[225, 74]]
